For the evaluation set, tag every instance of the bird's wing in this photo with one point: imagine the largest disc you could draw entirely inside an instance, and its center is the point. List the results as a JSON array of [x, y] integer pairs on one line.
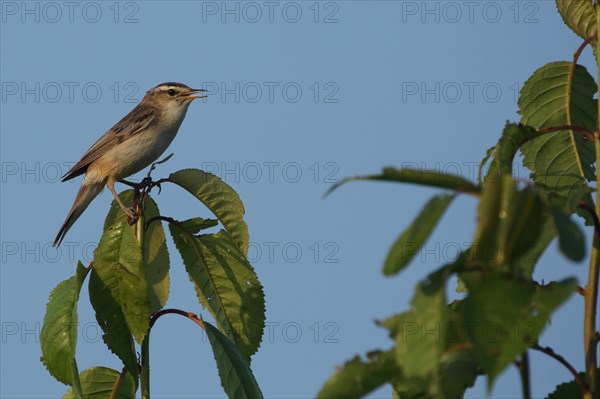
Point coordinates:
[[134, 122]]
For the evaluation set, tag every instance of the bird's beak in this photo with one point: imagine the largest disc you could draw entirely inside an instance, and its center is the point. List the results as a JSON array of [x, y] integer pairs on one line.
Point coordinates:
[[190, 94]]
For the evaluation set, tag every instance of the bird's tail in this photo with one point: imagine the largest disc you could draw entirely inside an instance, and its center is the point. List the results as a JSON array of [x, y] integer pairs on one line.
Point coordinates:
[[86, 194]]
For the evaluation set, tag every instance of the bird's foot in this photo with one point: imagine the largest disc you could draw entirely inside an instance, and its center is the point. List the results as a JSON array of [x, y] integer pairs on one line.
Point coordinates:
[[132, 215]]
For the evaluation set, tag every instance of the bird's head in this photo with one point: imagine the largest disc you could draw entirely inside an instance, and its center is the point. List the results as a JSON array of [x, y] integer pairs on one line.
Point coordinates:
[[173, 95]]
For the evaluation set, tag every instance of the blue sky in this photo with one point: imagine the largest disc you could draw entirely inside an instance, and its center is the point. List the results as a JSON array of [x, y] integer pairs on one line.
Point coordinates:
[[303, 93]]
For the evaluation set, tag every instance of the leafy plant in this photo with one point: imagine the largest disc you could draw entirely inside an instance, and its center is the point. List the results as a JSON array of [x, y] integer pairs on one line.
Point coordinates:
[[441, 347], [129, 287]]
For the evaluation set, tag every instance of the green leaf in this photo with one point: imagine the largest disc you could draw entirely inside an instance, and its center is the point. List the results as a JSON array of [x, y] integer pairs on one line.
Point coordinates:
[[526, 263], [497, 308], [507, 316], [195, 225], [118, 264], [101, 383], [567, 390], [485, 246], [513, 137], [413, 238], [430, 178], [561, 161], [156, 254], [396, 323], [571, 239], [77, 390], [59, 333], [156, 259], [220, 198], [419, 350], [570, 390], [547, 299], [488, 154], [111, 319], [510, 222], [357, 378], [459, 366], [236, 376], [579, 15], [458, 372], [411, 388], [226, 284], [450, 367], [522, 215]]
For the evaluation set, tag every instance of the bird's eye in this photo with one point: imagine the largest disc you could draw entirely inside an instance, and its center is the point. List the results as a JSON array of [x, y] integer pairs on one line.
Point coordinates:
[[171, 92]]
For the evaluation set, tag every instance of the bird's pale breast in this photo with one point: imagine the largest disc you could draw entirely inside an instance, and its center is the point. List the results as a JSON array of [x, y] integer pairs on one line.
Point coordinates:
[[132, 155]]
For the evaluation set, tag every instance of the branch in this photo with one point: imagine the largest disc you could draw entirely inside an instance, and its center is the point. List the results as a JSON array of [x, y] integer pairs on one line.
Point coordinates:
[[583, 386], [590, 343]]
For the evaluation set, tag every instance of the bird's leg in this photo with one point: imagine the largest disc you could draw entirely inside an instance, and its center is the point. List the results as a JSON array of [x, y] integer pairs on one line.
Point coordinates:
[[130, 183], [128, 211]]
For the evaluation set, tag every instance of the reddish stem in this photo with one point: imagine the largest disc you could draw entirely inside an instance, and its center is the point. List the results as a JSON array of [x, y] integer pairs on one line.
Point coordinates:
[[584, 131], [189, 315], [583, 386]]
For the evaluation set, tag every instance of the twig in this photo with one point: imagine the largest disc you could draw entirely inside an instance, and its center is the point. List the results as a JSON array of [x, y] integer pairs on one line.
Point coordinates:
[[163, 218], [582, 47], [583, 386], [523, 366], [584, 131], [147, 184], [145, 376], [192, 316], [113, 393], [153, 166]]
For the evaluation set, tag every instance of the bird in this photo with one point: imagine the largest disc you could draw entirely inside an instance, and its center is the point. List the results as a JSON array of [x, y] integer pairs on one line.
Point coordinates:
[[129, 146]]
